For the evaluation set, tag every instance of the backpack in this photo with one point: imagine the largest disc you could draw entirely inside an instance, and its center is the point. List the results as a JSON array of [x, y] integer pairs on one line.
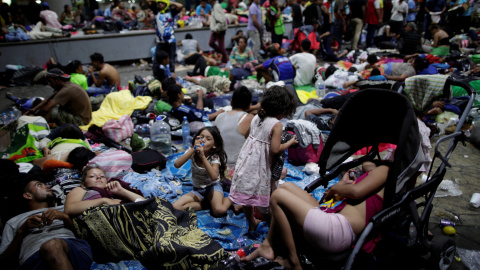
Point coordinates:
[[145, 160]]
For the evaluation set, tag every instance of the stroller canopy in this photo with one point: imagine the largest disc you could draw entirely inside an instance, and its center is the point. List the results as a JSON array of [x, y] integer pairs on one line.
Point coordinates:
[[370, 117]]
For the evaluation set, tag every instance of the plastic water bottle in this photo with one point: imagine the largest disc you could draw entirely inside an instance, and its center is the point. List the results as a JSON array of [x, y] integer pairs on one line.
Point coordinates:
[[185, 133], [12, 116], [5, 119], [160, 137], [17, 112], [320, 87]]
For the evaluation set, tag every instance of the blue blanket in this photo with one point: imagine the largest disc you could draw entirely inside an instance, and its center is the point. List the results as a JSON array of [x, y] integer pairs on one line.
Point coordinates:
[[230, 231]]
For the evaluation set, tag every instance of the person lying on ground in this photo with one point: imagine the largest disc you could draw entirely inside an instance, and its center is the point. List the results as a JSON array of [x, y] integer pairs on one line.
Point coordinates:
[[323, 118], [42, 237], [95, 190], [179, 110], [69, 103], [38, 32], [102, 77], [299, 221], [61, 142]]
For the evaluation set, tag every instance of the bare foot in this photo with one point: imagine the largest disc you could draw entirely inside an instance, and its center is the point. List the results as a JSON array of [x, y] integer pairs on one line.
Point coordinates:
[[253, 227], [284, 173], [264, 250], [52, 61]]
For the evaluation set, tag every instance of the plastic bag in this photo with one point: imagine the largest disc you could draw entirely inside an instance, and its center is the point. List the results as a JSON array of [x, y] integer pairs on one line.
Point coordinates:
[[470, 258], [445, 116], [448, 188], [337, 79]]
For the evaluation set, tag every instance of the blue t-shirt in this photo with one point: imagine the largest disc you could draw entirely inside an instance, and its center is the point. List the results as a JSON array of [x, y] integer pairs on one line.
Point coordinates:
[[192, 113], [467, 12], [411, 16], [282, 69], [206, 10]]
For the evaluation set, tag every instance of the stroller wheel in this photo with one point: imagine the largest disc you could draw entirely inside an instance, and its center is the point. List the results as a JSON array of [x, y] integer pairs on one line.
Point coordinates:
[[442, 253]]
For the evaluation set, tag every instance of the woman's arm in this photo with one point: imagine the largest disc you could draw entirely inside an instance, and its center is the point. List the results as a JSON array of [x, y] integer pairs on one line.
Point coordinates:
[[117, 189], [396, 78], [184, 158], [372, 183], [74, 205], [276, 146], [436, 38]]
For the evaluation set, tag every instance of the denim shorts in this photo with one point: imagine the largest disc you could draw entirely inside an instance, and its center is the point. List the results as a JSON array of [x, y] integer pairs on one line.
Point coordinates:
[[202, 192]]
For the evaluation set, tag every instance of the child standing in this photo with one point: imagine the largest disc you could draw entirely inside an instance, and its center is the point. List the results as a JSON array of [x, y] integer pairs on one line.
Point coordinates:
[[251, 182], [208, 164]]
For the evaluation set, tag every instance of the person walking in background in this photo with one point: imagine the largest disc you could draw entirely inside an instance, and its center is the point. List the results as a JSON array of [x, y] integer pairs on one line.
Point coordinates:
[[357, 9], [255, 27], [275, 21], [218, 26], [164, 29], [373, 16]]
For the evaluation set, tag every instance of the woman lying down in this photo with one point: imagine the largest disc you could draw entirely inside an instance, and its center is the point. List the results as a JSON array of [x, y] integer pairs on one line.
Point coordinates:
[[148, 230]]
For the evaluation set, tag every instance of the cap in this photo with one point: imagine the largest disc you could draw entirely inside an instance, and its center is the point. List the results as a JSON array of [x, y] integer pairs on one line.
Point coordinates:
[[55, 72], [45, 4]]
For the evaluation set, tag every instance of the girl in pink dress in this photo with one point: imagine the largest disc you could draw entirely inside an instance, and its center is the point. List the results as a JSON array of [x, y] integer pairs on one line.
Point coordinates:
[[251, 182]]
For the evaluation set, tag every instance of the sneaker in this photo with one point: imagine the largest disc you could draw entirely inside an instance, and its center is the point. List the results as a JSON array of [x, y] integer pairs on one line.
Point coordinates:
[[10, 96]]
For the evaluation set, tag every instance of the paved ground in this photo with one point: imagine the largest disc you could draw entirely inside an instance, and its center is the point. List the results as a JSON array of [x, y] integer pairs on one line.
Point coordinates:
[[465, 171]]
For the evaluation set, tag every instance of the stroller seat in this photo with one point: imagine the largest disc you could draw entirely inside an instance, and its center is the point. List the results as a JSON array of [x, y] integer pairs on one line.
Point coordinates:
[[375, 116]]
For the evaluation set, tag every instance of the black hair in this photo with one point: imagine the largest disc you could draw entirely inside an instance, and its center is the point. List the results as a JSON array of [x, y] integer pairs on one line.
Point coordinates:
[[375, 72], [97, 57], [420, 63], [80, 157], [188, 36], [353, 69], [330, 70], [272, 50], [65, 8], [72, 66], [218, 150], [306, 44], [71, 131], [372, 59], [277, 100], [239, 31], [244, 38], [433, 26], [160, 56], [241, 98], [172, 92], [167, 82]]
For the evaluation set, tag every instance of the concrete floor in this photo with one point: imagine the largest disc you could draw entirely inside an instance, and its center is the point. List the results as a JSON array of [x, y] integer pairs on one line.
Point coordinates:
[[465, 171]]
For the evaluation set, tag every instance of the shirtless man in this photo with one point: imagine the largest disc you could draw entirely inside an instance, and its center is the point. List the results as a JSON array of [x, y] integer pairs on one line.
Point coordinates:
[[106, 78]]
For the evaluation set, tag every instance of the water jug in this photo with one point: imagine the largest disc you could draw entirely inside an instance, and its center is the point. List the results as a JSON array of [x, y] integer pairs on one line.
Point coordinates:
[[160, 136]]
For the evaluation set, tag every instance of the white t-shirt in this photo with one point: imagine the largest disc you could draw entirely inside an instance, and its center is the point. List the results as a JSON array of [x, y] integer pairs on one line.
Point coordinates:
[[200, 177], [36, 237], [397, 8], [305, 63]]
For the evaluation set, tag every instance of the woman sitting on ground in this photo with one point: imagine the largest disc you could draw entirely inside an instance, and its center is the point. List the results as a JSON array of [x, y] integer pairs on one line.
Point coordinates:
[[242, 60], [327, 229], [95, 191], [67, 17], [441, 41]]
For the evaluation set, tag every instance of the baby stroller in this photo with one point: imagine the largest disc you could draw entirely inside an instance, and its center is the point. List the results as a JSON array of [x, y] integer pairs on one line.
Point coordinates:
[[377, 116]]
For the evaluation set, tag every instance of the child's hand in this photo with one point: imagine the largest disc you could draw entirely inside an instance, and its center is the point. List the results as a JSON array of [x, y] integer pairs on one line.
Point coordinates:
[[199, 149], [348, 178], [293, 140]]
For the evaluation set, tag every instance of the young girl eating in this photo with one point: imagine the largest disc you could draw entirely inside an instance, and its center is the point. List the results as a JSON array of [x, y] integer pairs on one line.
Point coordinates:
[[208, 164]]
